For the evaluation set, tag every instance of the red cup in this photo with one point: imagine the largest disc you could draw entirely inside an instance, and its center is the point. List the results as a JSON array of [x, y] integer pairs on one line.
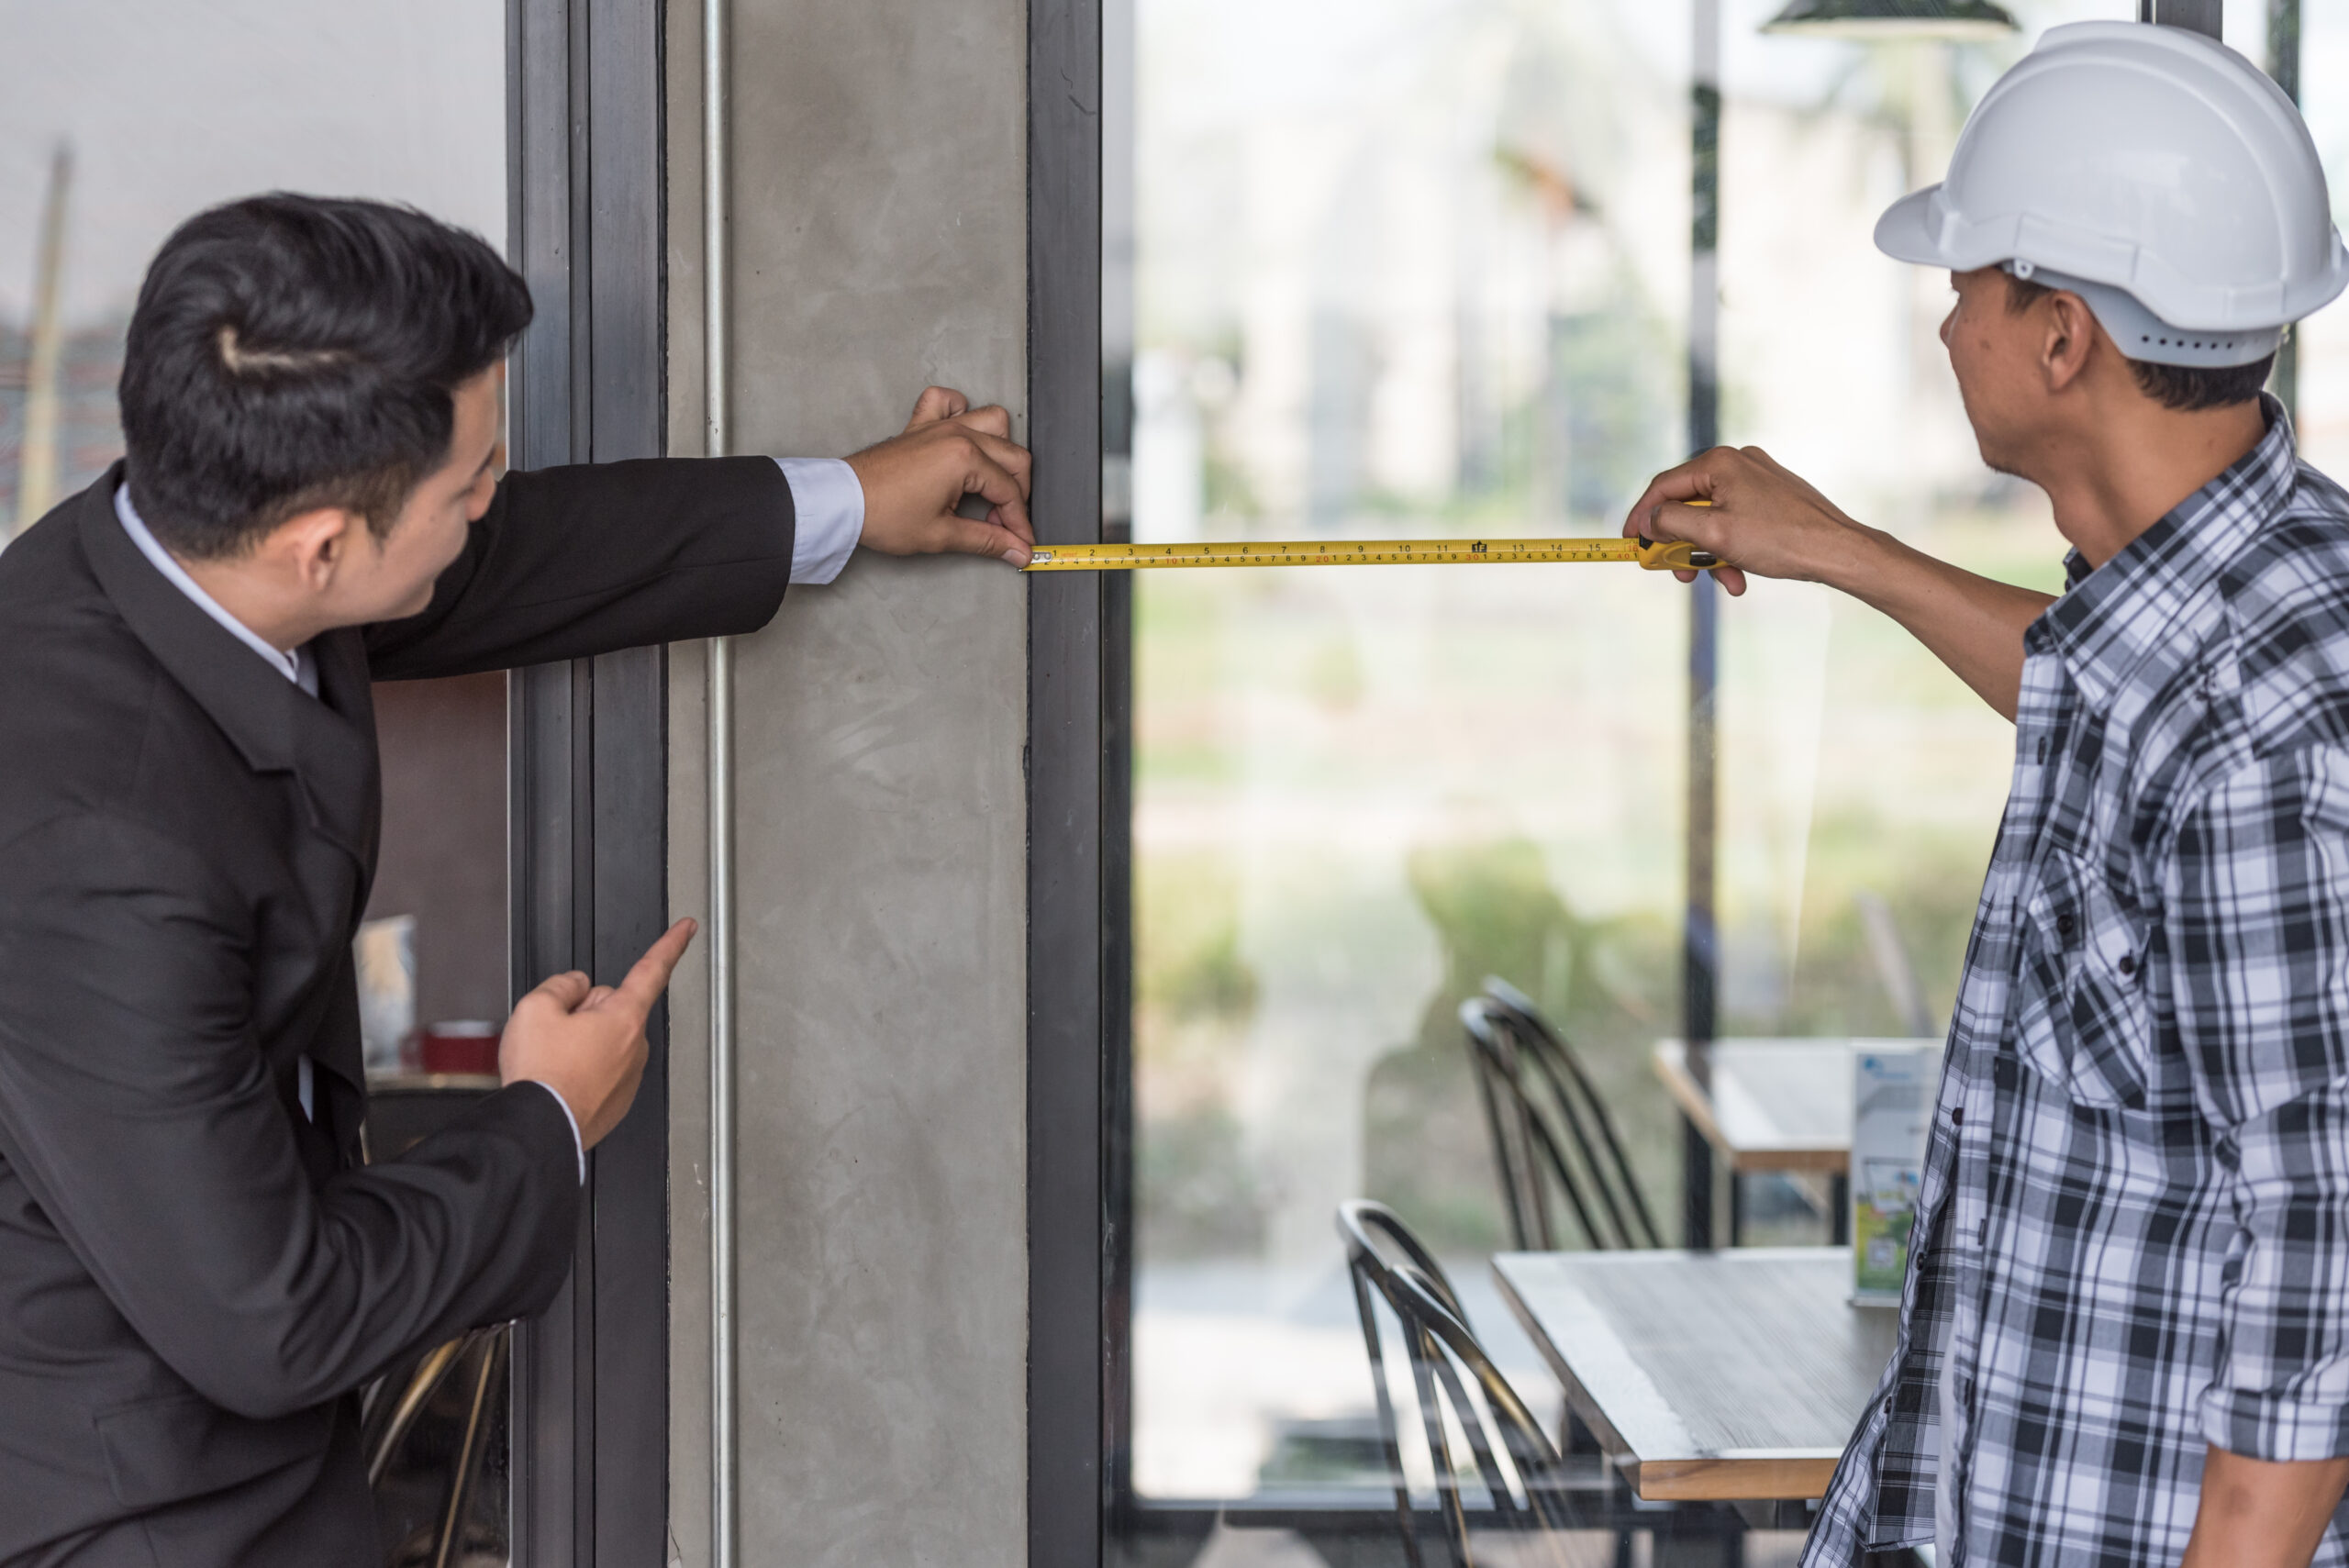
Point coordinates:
[[465, 1045]]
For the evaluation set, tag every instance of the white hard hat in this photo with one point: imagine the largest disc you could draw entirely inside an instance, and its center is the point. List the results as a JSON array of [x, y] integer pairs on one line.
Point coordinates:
[[2154, 172]]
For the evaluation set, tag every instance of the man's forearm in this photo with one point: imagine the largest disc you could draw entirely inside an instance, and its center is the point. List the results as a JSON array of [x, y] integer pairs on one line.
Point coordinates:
[[2263, 1513], [1765, 521], [1971, 623]]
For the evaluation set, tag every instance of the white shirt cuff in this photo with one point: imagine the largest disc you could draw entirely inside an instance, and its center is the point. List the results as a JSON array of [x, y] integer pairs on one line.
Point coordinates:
[[578, 1144], [828, 507]]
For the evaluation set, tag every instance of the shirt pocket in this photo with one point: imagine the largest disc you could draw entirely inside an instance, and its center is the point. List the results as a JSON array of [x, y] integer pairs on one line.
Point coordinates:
[[2082, 1016]]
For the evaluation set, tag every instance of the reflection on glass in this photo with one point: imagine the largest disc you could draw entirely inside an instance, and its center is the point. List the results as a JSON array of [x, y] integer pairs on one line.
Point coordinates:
[[1861, 782], [1418, 267], [116, 122], [1402, 268]]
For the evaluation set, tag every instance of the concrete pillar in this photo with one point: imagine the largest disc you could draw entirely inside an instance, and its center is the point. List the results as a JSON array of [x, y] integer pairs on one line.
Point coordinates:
[[879, 246]]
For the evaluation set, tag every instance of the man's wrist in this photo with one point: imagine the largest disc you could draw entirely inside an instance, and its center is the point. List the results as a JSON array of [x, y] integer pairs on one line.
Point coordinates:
[[1870, 565], [578, 1144]]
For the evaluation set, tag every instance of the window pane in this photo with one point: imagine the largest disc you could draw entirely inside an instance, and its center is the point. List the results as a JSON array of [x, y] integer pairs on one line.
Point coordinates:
[[1402, 268], [1857, 770], [1419, 267], [166, 107]]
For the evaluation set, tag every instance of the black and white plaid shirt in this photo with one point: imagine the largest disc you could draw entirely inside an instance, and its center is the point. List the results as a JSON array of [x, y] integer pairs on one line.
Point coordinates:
[[2136, 1195]]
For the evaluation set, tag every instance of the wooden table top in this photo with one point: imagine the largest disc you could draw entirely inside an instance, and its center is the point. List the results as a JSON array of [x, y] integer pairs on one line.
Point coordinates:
[[1774, 1104], [1733, 1375]]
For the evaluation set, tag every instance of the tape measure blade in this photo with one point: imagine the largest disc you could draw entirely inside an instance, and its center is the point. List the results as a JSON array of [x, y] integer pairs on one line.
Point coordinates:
[[1348, 552]]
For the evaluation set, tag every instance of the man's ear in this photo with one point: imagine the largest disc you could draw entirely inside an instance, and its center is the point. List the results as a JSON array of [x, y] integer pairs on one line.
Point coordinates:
[[310, 547], [2071, 338]]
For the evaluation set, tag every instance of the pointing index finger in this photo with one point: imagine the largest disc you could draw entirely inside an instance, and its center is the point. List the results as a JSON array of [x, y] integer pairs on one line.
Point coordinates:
[[649, 976]]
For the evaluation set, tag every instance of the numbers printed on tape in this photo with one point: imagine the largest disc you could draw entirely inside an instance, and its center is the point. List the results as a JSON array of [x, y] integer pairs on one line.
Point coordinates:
[[1658, 555]]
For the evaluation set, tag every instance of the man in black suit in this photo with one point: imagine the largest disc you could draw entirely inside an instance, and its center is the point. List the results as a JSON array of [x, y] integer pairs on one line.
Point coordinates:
[[195, 1270]]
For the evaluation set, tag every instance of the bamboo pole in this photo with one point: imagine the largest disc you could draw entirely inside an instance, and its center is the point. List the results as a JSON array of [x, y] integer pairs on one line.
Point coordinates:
[[37, 462]]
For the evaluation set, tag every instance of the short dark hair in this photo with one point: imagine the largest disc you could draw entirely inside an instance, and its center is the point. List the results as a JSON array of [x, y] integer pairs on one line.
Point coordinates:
[[293, 351], [2187, 388]]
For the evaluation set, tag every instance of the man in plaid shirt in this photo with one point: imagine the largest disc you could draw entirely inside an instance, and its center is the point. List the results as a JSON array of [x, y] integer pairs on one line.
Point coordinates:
[[2125, 1330]]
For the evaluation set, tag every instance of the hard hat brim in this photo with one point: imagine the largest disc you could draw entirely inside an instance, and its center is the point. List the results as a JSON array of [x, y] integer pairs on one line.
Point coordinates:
[[1909, 229]]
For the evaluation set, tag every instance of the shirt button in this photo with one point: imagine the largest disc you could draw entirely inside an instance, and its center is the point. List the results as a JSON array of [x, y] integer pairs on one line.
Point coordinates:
[[1957, 1116], [2128, 963], [2064, 926]]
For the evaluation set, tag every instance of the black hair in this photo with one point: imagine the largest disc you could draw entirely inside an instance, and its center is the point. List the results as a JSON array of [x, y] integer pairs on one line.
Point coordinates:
[[2187, 388], [292, 351]]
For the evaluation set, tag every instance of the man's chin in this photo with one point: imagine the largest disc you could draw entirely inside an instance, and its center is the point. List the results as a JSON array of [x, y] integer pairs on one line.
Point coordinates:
[[1995, 459]]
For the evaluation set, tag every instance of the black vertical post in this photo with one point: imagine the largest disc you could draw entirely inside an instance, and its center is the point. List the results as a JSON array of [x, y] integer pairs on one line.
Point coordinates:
[[589, 766], [1118, 256], [1071, 990], [2194, 16], [2284, 65], [1700, 945]]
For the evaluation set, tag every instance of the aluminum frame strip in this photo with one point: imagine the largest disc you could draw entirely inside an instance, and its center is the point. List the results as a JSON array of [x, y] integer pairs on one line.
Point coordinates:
[[723, 1511]]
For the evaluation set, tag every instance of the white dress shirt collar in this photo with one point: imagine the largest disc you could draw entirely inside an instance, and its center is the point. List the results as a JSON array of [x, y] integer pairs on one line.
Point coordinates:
[[297, 666]]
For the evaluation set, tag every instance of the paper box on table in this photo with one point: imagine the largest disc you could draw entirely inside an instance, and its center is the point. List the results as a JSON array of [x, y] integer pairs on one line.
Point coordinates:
[[1892, 1107]]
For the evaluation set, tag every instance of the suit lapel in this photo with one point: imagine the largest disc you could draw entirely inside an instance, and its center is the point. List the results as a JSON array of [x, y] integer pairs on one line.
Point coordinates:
[[329, 745], [326, 743], [347, 782]]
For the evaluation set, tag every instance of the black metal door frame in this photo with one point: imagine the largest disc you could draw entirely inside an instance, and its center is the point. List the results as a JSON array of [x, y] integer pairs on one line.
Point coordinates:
[[1075, 998], [588, 763]]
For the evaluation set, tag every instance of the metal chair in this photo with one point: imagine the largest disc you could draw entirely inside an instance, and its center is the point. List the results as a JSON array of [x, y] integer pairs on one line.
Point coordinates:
[[387, 1417], [1499, 1446], [402, 1112], [1551, 1129]]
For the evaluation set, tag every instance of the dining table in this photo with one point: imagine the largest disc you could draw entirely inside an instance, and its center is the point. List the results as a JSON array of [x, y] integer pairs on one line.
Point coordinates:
[[1729, 1375], [1771, 1104]]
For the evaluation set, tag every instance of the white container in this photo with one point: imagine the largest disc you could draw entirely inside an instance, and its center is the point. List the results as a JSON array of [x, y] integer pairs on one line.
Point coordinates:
[[1892, 1107], [384, 952]]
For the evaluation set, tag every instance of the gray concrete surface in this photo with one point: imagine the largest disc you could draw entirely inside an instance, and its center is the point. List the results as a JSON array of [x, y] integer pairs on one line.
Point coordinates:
[[880, 235]]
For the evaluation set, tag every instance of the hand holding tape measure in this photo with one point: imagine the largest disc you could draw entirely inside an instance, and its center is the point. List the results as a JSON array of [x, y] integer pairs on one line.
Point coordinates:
[[1651, 555]]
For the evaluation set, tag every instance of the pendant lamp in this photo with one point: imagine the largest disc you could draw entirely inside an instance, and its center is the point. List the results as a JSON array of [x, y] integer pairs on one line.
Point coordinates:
[[1877, 21]]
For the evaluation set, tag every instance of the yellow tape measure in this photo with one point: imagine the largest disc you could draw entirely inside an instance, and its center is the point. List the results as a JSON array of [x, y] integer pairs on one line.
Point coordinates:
[[1654, 555]]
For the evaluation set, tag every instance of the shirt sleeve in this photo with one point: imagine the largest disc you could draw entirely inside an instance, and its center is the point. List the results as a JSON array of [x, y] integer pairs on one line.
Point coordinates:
[[578, 1144], [829, 500], [2258, 925]]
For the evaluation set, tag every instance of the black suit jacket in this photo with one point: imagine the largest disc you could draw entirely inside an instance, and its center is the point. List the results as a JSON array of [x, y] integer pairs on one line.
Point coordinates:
[[194, 1275]]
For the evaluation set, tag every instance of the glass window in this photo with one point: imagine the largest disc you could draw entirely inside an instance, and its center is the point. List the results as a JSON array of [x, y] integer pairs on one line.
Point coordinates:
[[1417, 268], [116, 122], [1402, 270]]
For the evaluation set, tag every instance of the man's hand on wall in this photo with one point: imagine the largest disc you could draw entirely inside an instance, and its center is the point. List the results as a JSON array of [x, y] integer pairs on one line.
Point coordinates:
[[914, 483], [586, 1042]]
